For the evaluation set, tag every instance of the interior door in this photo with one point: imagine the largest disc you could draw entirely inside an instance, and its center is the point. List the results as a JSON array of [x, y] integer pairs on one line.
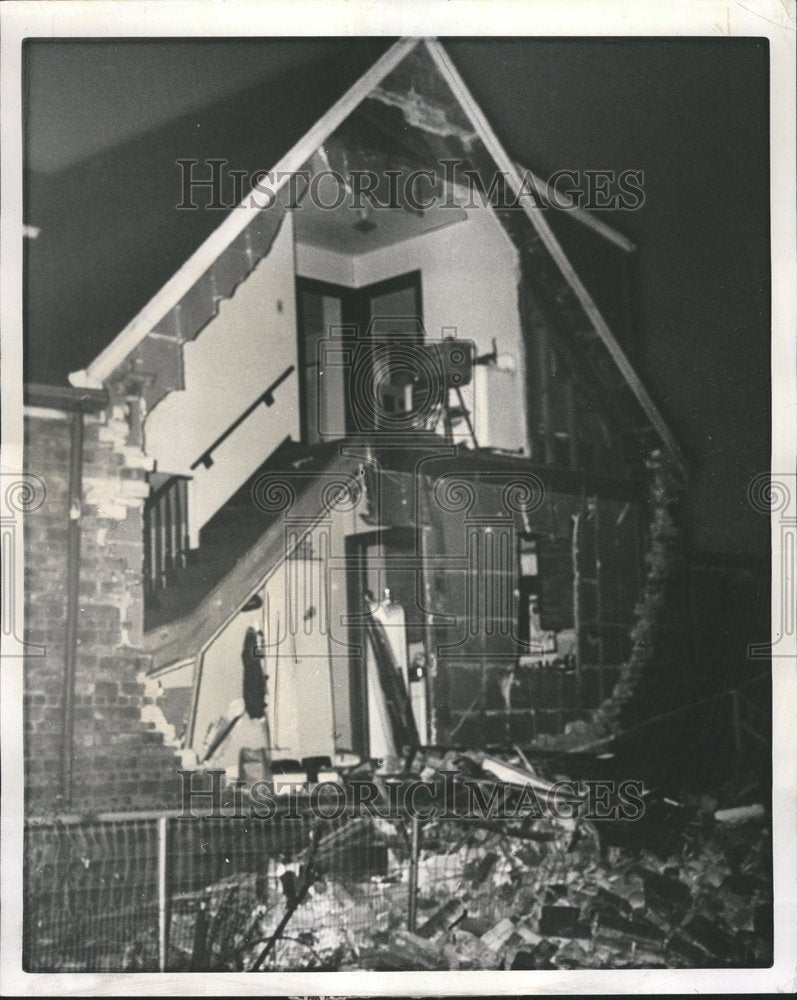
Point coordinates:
[[390, 313], [356, 372], [322, 311]]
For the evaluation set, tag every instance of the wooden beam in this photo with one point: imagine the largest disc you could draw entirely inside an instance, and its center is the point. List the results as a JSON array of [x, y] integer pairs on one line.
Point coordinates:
[[62, 397], [580, 214]]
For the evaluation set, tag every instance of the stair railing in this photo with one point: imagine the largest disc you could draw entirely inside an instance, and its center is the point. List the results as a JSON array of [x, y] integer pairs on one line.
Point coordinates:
[[267, 397], [165, 533]]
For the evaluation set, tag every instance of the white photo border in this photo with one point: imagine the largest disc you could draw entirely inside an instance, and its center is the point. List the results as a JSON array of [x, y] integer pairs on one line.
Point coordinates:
[[775, 20]]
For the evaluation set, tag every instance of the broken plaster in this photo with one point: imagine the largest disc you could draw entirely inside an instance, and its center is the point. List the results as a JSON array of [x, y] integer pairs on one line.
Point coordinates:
[[111, 495], [151, 713], [420, 114]]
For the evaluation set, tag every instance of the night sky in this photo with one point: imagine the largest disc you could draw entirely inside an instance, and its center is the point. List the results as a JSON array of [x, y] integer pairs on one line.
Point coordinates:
[[106, 122]]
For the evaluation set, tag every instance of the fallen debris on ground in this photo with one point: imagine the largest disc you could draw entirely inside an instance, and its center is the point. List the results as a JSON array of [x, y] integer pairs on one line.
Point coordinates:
[[687, 885]]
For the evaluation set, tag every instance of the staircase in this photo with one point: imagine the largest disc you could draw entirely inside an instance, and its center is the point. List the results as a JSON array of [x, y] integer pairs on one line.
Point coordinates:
[[238, 548]]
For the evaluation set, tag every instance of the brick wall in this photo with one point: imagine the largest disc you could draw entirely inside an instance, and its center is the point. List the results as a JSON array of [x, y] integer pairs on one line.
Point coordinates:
[[120, 761]]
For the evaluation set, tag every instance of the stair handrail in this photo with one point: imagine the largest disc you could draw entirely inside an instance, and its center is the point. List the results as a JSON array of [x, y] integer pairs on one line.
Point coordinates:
[[266, 397]]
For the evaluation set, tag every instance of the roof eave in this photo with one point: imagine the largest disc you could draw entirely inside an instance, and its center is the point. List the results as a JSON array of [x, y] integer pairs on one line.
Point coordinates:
[[108, 360]]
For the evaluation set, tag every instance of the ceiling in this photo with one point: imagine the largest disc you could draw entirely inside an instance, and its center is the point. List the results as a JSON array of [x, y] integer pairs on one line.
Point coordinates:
[[349, 230]]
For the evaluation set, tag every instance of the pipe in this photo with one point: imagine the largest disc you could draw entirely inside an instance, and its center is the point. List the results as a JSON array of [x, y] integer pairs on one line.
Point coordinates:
[[415, 850], [74, 501], [164, 898]]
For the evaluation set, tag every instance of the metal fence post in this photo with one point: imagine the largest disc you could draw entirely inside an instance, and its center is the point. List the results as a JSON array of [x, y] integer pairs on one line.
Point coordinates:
[[164, 900], [415, 847]]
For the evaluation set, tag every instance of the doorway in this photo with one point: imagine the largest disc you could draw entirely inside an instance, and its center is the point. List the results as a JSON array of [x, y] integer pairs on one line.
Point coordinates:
[[386, 582], [352, 377]]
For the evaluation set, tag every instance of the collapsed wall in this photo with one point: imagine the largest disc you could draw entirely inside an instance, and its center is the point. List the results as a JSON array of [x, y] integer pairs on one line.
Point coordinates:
[[118, 761]]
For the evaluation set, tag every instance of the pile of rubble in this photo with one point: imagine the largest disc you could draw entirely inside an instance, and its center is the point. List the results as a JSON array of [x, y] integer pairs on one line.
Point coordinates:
[[686, 885], [574, 908]]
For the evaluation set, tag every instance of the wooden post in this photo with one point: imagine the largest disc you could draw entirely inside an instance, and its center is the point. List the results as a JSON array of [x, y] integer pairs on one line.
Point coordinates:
[[164, 901], [415, 847]]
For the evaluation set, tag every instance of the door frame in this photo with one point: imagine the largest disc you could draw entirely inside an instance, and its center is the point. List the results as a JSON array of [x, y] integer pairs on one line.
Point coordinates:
[[356, 549], [407, 279], [347, 318], [354, 314]]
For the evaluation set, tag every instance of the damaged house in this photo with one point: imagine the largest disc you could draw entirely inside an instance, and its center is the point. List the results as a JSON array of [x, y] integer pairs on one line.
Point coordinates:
[[365, 474]]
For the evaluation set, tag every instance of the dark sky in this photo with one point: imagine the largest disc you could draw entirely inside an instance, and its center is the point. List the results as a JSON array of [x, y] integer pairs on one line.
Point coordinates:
[[106, 122]]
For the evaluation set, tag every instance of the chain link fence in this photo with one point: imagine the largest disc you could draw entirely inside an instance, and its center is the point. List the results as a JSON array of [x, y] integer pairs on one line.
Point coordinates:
[[90, 894], [152, 892], [142, 893]]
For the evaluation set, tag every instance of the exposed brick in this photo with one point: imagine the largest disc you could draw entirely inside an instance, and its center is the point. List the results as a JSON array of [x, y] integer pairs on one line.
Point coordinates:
[[119, 761]]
